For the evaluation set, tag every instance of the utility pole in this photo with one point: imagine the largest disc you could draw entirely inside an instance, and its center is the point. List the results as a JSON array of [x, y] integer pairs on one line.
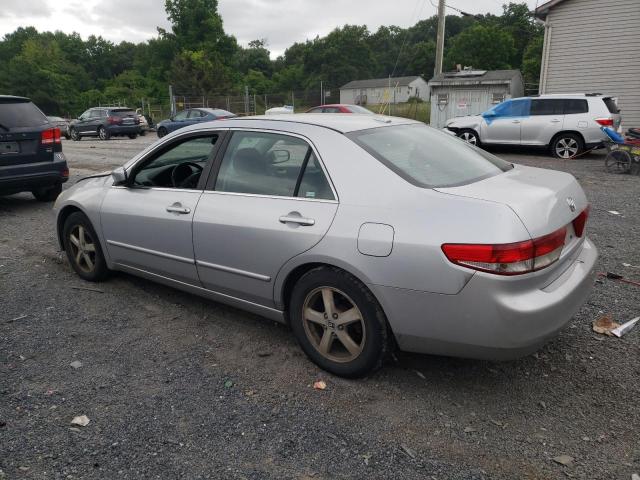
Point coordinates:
[[440, 39]]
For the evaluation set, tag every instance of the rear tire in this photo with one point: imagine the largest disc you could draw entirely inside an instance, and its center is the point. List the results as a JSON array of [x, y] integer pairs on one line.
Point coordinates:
[[567, 145], [103, 133], [469, 136], [618, 161], [338, 323], [133, 136], [83, 249], [47, 194]]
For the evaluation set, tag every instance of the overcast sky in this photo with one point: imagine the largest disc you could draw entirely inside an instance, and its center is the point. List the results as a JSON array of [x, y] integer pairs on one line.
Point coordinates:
[[280, 22]]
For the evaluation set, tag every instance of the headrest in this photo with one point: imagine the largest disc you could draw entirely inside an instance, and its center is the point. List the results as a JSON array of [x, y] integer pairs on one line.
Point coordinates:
[[249, 160]]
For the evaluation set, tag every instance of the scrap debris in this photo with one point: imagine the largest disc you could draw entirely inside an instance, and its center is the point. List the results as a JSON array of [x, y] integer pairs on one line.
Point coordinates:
[[319, 385], [604, 325], [625, 327], [81, 420]]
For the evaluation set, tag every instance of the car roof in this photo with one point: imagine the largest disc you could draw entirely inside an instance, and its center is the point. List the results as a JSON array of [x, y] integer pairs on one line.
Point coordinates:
[[571, 95], [334, 121], [10, 98]]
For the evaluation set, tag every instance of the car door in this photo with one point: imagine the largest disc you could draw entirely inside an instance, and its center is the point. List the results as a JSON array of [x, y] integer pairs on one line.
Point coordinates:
[[179, 120], [502, 124], [545, 120], [269, 201], [195, 116], [82, 125], [147, 223]]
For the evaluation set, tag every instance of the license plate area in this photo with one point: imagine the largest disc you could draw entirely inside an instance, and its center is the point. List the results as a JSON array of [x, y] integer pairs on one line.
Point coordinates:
[[9, 147]]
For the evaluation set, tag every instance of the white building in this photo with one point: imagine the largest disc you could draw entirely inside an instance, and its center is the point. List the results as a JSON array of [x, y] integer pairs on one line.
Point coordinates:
[[591, 46], [377, 91]]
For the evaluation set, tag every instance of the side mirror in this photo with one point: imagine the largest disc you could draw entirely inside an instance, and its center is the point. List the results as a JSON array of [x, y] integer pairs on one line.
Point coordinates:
[[119, 176], [280, 156]]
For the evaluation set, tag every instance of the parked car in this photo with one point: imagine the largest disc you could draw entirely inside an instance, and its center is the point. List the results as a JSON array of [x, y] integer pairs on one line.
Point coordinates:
[[285, 109], [62, 124], [104, 123], [567, 124], [190, 117], [418, 237], [31, 158], [340, 108]]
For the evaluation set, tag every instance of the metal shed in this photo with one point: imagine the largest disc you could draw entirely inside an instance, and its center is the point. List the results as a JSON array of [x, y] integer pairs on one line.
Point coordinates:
[[470, 92]]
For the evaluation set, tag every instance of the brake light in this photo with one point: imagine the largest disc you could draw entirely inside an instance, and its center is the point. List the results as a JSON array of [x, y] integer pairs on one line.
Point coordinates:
[[605, 122], [580, 221], [51, 136], [509, 258], [65, 173], [114, 120]]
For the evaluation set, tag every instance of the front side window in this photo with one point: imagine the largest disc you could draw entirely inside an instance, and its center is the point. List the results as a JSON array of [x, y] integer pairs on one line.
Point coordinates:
[[427, 157], [272, 164], [510, 108], [178, 166], [181, 115]]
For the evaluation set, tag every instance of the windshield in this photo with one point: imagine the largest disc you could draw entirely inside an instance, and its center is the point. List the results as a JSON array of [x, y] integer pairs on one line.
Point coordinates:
[[21, 114], [427, 157]]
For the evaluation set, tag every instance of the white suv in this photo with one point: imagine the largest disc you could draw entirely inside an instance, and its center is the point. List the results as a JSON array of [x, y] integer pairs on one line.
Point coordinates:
[[566, 123]]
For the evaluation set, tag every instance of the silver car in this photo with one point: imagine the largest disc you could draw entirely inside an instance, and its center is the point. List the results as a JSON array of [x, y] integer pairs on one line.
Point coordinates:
[[567, 124], [361, 232]]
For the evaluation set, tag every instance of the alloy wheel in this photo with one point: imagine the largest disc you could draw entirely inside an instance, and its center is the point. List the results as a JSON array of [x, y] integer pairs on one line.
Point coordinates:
[[102, 133], [469, 138], [333, 324], [566, 147], [83, 248]]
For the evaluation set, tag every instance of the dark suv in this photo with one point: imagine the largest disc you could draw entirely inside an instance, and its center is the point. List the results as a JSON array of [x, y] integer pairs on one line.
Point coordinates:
[[105, 122], [31, 158]]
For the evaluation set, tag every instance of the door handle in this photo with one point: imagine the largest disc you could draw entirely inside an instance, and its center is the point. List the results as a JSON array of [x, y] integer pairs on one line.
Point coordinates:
[[515, 121], [555, 120], [177, 208], [307, 222]]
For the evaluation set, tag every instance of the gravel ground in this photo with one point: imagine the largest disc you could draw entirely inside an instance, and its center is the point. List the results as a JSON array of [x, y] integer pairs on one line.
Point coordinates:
[[179, 387]]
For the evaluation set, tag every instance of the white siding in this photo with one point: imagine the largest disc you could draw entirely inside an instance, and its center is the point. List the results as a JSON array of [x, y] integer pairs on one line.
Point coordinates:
[[593, 47]]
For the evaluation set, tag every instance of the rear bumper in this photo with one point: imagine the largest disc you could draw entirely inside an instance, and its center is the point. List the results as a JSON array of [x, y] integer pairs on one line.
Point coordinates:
[[488, 321], [124, 130], [29, 176]]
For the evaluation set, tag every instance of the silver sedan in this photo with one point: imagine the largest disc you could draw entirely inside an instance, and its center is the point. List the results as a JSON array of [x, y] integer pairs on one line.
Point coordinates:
[[361, 232]]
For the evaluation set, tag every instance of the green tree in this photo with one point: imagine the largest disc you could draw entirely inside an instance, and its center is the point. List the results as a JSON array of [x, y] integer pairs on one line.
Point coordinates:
[[486, 47], [532, 60]]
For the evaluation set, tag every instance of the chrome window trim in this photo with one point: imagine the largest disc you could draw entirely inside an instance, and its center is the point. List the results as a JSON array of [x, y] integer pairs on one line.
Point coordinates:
[[237, 271], [158, 189], [135, 248], [290, 134], [259, 195]]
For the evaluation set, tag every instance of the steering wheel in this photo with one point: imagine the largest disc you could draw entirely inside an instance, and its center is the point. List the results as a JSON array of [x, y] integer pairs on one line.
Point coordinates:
[[184, 170]]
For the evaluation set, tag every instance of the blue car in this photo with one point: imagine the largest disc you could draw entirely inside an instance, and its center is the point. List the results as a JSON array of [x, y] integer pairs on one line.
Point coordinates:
[[190, 117]]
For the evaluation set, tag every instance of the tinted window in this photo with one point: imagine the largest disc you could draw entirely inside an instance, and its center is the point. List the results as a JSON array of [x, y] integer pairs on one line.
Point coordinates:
[[179, 166], [511, 108], [575, 105], [181, 115], [428, 158], [270, 164], [611, 105], [20, 114], [122, 113], [547, 107]]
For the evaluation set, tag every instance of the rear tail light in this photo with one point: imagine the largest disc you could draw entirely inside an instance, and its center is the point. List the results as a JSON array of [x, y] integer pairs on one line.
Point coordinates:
[[580, 221], [114, 120], [605, 122], [50, 136], [510, 258], [65, 173]]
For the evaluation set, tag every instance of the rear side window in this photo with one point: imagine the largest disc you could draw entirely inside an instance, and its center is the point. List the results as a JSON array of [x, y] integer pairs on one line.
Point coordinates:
[[611, 105], [547, 107], [20, 114], [428, 158], [575, 105]]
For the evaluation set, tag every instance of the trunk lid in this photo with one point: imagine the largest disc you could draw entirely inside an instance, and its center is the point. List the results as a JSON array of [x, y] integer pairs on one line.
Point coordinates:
[[541, 198]]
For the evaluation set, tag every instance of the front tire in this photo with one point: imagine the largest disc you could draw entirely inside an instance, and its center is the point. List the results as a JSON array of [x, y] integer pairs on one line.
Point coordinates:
[[162, 132], [469, 136], [75, 136], [83, 248], [338, 323], [103, 133], [567, 145], [48, 194]]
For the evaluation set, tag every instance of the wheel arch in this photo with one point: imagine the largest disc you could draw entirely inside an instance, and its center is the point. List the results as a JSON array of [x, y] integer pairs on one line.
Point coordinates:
[[62, 217], [564, 132]]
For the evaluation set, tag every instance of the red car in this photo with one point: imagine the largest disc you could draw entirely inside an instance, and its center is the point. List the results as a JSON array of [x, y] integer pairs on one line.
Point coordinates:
[[339, 108]]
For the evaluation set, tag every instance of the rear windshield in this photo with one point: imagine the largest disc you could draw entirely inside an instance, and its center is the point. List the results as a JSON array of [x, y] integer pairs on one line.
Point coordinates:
[[427, 157], [20, 114], [611, 105], [123, 113], [359, 109]]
